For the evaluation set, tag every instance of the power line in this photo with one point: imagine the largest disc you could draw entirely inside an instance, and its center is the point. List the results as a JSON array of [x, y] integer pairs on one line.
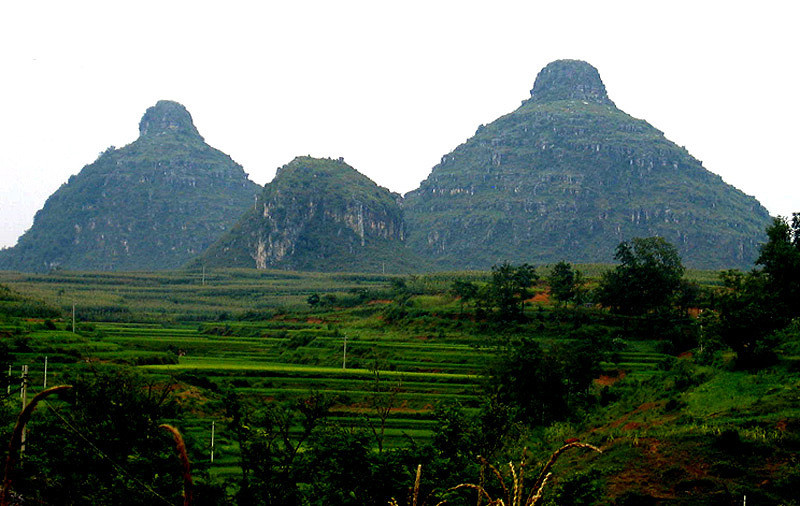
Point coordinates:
[[102, 454]]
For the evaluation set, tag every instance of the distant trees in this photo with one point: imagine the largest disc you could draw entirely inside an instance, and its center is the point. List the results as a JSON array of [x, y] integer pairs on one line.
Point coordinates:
[[465, 291], [292, 453], [648, 277], [780, 261], [745, 317], [313, 300], [271, 441], [752, 306], [565, 283], [545, 384], [508, 289]]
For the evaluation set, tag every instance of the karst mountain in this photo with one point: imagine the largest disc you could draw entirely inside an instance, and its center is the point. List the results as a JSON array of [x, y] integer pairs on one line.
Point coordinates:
[[318, 214], [567, 176], [152, 204]]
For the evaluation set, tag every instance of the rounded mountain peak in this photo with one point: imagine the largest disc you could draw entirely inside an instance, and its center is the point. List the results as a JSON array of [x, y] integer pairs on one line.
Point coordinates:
[[167, 117], [569, 80]]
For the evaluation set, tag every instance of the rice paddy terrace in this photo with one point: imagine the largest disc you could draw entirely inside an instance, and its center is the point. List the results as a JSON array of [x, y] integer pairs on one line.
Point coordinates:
[[255, 333]]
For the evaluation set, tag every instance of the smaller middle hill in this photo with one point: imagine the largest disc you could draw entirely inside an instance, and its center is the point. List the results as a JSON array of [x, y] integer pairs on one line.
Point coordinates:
[[317, 215]]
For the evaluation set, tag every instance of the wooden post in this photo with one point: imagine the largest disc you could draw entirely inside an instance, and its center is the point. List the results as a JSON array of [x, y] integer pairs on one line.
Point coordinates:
[[44, 386], [23, 393], [212, 441], [344, 353]]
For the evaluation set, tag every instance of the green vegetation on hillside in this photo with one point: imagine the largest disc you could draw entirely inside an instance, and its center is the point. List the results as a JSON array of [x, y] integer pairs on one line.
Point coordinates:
[[567, 176], [152, 204], [321, 215]]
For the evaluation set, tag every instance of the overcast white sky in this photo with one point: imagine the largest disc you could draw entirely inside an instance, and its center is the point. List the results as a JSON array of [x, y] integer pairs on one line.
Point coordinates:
[[391, 87]]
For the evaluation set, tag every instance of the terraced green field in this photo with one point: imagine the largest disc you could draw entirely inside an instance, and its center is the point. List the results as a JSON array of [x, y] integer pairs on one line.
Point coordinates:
[[251, 332]]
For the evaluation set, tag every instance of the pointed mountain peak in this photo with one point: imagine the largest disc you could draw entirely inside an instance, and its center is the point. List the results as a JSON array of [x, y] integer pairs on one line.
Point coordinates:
[[569, 80], [167, 117]]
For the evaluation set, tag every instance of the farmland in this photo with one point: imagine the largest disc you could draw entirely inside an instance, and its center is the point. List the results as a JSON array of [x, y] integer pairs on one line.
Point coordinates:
[[390, 364], [254, 333]]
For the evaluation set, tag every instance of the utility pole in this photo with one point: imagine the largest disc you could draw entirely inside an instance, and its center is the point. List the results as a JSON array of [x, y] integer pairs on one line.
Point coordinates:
[[204, 275], [44, 387], [344, 353], [212, 441], [8, 388], [24, 395], [73, 317]]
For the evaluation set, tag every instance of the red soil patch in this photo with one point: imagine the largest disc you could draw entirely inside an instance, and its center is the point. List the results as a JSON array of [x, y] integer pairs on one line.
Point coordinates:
[[686, 354], [369, 410], [314, 320], [189, 393], [379, 301], [606, 380], [543, 297], [655, 456], [624, 419]]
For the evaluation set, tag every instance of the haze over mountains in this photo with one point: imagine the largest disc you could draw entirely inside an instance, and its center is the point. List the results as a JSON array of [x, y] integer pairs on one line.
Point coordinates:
[[565, 176]]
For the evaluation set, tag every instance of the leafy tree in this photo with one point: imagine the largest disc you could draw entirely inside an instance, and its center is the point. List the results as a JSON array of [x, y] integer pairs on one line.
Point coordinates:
[[751, 307], [400, 291], [382, 400], [546, 385], [313, 300], [780, 258], [745, 317], [529, 378], [271, 441], [647, 279], [465, 291], [565, 283], [338, 467], [508, 289], [562, 282]]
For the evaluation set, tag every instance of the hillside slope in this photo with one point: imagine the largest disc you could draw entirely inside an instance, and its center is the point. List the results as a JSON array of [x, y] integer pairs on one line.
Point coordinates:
[[152, 204], [568, 176], [320, 215]]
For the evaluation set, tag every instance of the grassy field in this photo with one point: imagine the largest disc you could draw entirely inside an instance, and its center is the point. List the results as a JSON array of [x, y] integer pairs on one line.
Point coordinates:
[[254, 334]]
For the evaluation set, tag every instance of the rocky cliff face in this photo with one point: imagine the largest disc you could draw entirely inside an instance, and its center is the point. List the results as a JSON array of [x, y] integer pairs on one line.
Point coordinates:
[[152, 204], [317, 214], [569, 176]]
